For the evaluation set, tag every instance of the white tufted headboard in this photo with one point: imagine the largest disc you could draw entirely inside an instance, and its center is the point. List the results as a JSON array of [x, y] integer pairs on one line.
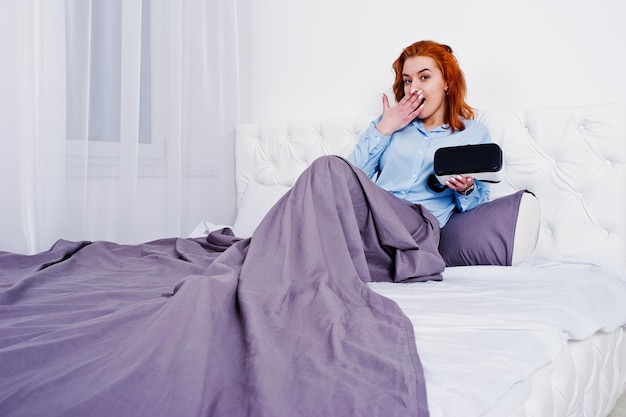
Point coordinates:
[[573, 159]]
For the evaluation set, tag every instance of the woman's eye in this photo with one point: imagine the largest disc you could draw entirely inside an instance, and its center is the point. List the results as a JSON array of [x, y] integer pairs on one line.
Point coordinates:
[[424, 77], [407, 81]]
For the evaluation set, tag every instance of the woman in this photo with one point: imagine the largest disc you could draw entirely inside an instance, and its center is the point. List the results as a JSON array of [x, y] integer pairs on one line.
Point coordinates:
[[397, 150]]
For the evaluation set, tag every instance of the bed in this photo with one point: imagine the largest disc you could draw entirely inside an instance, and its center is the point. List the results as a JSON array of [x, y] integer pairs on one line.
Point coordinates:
[[572, 159], [260, 318]]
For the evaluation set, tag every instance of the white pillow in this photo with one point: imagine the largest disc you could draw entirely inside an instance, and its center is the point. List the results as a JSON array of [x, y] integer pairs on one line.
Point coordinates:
[[257, 200], [205, 227]]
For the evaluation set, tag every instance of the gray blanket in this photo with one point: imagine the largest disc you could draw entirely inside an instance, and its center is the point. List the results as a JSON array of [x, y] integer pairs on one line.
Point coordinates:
[[281, 324]]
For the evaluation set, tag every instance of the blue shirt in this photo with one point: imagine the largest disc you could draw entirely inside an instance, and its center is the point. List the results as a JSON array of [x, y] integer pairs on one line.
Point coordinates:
[[401, 163]]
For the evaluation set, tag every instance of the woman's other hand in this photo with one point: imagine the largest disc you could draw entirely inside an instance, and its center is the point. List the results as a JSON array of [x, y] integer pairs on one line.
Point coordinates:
[[461, 184]]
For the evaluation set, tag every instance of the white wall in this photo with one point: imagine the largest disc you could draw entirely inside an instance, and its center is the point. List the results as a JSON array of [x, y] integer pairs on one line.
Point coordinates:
[[329, 58]]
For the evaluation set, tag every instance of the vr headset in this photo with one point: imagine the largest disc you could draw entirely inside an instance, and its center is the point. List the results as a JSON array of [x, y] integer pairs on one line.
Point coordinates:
[[483, 162]]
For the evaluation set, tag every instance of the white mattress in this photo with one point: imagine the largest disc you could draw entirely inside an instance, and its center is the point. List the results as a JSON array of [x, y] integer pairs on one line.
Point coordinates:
[[586, 379], [488, 336]]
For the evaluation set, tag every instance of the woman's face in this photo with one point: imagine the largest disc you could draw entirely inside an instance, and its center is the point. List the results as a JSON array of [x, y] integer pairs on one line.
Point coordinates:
[[422, 73]]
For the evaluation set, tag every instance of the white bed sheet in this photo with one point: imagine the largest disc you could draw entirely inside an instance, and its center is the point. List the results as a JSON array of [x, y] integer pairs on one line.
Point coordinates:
[[483, 330]]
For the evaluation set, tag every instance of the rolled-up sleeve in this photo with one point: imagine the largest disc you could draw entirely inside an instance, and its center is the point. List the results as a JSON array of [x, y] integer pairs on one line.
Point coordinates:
[[479, 195]]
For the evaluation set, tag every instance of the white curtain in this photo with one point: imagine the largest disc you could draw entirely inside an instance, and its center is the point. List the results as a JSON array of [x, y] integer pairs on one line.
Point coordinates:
[[116, 119]]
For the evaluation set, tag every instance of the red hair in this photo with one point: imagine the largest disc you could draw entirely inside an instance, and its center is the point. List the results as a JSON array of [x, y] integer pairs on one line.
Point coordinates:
[[456, 107]]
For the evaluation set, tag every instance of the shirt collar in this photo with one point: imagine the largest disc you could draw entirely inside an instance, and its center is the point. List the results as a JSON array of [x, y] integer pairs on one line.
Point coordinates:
[[419, 125]]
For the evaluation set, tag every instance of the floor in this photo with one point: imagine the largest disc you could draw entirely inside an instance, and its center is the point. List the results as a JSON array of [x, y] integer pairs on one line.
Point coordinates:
[[620, 408]]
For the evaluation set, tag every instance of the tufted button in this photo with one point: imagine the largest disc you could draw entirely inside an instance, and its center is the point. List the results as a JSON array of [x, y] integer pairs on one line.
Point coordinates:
[[548, 232], [581, 127], [608, 163], [578, 196], [552, 162]]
